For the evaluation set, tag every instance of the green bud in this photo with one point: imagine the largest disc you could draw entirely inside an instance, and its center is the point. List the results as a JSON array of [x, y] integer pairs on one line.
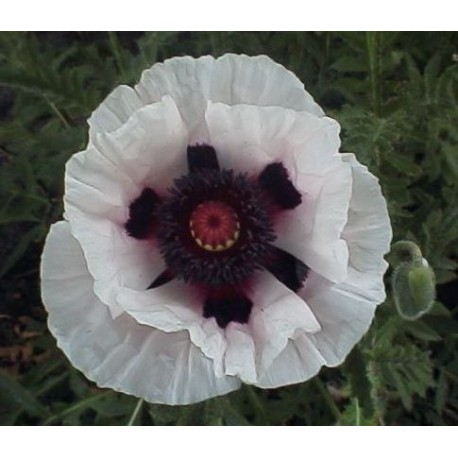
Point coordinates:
[[413, 283]]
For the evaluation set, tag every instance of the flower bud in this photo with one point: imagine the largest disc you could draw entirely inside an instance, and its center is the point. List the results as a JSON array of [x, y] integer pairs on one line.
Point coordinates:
[[413, 282]]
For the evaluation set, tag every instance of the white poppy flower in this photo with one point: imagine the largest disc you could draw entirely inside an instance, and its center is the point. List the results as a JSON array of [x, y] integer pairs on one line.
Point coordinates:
[[213, 235]]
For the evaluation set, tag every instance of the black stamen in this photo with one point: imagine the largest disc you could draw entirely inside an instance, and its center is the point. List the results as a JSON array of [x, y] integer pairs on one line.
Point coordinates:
[[275, 181], [140, 223], [288, 269], [202, 157], [228, 308], [162, 279]]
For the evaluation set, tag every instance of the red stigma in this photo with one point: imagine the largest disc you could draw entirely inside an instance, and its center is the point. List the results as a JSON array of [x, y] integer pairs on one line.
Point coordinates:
[[214, 226]]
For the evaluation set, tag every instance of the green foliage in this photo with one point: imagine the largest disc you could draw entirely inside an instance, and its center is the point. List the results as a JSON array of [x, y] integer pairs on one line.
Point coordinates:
[[405, 368], [353, 415], [396, 97]]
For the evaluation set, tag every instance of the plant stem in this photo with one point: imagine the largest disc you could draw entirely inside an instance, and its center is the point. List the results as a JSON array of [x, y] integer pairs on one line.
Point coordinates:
[[378, 400], [135, 413], [358, 413], [407, 251], [373, 53], [59, 114]]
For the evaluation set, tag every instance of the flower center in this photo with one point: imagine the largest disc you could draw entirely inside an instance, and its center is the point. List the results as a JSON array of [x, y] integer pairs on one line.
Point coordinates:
[[214, 226]]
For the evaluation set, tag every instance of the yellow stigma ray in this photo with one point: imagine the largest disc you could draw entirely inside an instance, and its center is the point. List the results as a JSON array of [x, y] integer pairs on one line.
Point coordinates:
[[217, 248]]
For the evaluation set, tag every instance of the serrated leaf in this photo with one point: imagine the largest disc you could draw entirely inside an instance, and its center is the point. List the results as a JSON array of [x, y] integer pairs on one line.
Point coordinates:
[[354, 415], [407, 369]]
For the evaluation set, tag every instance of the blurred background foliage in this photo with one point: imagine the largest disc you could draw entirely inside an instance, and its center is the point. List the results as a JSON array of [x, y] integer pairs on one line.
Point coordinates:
[[396, 97]]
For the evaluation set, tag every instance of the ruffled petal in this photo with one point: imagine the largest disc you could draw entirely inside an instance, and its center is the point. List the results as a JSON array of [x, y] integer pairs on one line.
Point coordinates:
[[344, 314], [114, 111], [104, 179], [368, 231], [95, 186], [313, 231], [119, 353], [115, 259], [298, 362], [240, 79], [277, 315], [173, 307], [150, 148], [241, 135], [102, 182], [248, 138], [231, 79], [345, 311], [240, 355], [187, 81]]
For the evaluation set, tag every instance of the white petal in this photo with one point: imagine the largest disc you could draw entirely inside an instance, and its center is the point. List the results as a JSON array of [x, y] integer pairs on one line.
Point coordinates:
[[170, 307], [277, 315], [230, 79], [148, 150], [187, 81], [97, 201], [115, 110], [121, 353], [114, 259], [240, 356], [259, 81], [175, 306], [313, 231], [298, 362], [344, 315], [150, 147], [95, 186], [368, 231], [248, 138], [346, 310], [241, 135]]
